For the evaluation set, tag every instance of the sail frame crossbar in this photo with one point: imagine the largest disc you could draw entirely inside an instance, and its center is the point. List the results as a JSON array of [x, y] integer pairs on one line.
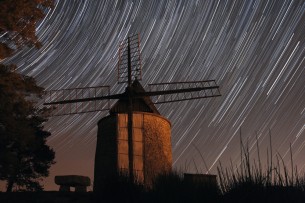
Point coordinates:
[[132, 56], [53, 99], [182, 91]]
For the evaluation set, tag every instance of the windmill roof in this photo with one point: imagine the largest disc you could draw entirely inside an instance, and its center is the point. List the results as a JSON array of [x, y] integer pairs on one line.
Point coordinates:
[[142, 104]]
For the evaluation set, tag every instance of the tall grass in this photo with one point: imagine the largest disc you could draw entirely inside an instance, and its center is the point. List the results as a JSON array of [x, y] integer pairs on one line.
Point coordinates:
[[249, 182]]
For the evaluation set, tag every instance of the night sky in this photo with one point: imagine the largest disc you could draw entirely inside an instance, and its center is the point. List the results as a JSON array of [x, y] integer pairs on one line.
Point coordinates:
[[255, 50]]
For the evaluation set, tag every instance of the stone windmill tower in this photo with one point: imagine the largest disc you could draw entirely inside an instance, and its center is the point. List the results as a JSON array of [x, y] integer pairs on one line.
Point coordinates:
[[134, 137], [151, 141]]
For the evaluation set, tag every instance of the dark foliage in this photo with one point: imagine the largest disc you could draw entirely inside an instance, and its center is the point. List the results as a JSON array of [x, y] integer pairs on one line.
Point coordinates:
[[173, 187], [120, 188], [18, 20], [24, 155], [249, 182], [252, 193], [166, 188]]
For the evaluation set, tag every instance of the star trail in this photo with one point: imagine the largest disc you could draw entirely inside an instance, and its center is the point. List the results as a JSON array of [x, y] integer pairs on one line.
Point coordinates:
[[255, 50]]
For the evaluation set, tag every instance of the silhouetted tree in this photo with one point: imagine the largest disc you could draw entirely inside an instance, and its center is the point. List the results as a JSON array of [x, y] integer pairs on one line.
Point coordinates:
[[24, 155], [18, 20]]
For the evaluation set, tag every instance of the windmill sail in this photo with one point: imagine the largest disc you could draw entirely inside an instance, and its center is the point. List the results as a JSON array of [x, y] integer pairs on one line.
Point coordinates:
[[181, 91], [129, 52], [71, 101]]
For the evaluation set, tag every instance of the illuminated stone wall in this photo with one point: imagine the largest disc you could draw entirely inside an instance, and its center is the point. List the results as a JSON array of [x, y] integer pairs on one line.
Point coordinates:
[[152, 152], [138, 145], [158, 149]]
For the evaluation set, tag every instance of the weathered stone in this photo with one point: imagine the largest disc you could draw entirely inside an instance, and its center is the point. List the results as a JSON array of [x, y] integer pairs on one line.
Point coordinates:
[[152, 154], [157, 150], [79, 182]]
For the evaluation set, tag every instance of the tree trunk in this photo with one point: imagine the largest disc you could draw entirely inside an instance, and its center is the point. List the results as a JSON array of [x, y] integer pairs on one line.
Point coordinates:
[[10, 184]]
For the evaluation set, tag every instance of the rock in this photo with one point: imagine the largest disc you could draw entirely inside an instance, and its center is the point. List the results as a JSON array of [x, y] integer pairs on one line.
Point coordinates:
[[79, 182]]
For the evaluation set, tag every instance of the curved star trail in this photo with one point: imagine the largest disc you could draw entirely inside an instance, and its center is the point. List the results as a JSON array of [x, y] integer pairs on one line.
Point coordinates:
[[255, 50]]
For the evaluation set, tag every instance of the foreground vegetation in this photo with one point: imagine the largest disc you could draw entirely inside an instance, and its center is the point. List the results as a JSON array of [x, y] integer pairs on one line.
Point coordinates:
[[249, 182], [244, 185], [25, 157], [246, 182]]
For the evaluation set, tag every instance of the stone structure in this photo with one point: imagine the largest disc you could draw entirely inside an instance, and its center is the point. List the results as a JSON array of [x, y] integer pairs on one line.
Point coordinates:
[[79, 182], [152, 154]]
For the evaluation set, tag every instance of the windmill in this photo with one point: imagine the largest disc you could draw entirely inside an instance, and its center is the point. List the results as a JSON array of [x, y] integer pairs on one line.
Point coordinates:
[[134, 99]]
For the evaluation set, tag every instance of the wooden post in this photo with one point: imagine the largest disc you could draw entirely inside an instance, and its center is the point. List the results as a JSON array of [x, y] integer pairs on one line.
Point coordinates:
[[130, 141]]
